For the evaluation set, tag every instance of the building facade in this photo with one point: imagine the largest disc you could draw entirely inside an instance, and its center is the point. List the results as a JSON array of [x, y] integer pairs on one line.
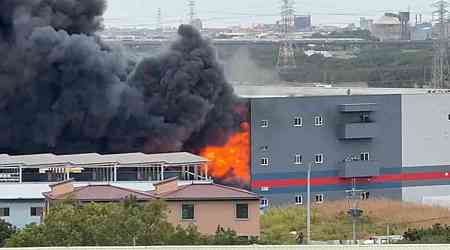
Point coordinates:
[[390, 146], [24, 178], [206, 205]]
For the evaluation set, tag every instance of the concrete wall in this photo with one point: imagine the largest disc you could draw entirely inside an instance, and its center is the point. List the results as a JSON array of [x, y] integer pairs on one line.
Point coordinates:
[[210, 214], [20, 211], [284, 140], [425, 130]]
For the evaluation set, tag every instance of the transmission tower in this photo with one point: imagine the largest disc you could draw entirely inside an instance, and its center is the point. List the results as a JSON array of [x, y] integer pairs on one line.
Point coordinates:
[[159, 21], [191, 4], [440, 78], [286, 55]]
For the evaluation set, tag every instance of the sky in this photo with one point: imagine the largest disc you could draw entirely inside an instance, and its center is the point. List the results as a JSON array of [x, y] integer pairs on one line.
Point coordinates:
[[220, 13]]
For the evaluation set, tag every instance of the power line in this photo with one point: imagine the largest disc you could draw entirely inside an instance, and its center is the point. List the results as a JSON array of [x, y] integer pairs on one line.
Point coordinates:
[[441, 75]]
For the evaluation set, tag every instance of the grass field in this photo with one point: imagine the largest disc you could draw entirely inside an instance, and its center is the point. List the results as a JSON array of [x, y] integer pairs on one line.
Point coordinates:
[[330, 221]]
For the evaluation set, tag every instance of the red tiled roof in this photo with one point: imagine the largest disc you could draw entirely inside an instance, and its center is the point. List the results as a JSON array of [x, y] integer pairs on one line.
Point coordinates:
[[101, 193], [208, 191]]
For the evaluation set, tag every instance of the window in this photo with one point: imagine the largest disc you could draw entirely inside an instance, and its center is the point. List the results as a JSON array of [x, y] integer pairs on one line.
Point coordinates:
[[318, 121], [298, 159], [264, 148], [365, 118], [365, 196], [365, 156], [187, 212], [319, 158], [264, 124], [4, 212], [319, 198], [264, 161], [36, 211], [264, 203], [299, 200], [298, 122], [242, 211], [449, 117]]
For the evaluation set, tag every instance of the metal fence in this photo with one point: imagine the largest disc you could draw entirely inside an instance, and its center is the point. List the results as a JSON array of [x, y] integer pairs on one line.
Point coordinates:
[[256, 247]]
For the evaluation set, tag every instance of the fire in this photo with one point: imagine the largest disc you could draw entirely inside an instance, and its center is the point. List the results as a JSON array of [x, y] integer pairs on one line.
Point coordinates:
[[231, 162]]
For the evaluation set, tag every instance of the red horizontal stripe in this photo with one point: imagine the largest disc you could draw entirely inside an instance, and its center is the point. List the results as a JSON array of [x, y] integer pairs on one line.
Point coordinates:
[[282, 183]]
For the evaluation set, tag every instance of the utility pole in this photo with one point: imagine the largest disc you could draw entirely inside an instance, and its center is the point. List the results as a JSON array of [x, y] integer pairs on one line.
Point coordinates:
[[191, 4], [286, 55], [440, 76], [308, 210], [354, 212]]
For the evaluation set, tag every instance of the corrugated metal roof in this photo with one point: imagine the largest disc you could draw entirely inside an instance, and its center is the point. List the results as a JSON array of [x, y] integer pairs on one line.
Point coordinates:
[[271, 91], [94, 158]]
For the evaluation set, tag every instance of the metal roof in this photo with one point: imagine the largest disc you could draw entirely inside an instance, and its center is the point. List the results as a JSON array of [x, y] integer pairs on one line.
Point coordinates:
[[94, 158], [284, 90]]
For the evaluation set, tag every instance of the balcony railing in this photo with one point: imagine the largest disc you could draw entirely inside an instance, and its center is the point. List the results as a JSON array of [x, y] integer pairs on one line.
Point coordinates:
[[357, 169], [366, 130]]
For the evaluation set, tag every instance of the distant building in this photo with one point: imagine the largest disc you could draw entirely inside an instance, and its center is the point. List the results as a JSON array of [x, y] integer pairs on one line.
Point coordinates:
[[365, 24], [203, 204], [303, 23], [422, 32], [387, 28]]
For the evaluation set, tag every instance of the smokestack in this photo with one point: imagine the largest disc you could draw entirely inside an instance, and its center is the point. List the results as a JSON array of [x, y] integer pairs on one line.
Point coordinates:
[[64, 91]]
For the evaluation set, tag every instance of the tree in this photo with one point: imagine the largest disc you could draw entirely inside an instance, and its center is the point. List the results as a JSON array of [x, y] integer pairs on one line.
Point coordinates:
[[6, 230]]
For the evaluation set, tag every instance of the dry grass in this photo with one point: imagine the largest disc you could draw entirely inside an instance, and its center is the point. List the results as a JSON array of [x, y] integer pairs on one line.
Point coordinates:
[[382, 212]]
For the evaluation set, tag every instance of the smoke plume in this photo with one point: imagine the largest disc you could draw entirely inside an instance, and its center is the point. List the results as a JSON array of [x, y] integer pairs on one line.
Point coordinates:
[[63, 90]]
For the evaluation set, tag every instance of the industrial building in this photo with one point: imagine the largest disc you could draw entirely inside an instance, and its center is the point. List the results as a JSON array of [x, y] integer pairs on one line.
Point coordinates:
[[390, 143], [24, 179]]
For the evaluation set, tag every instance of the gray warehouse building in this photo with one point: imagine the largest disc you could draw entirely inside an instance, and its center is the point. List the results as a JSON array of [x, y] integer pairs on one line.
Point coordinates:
[[391, 143]]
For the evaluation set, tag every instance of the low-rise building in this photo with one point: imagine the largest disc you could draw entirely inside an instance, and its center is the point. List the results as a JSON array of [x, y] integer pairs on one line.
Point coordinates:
[[205, 205], [24, 178], [209, 206]]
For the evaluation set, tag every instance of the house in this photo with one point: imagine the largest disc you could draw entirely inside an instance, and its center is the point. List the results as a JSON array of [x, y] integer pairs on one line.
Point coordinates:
[[204, 204], [209, 206]]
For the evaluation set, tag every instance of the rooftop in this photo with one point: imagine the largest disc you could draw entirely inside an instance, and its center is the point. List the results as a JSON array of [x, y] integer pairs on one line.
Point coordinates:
[[94, 158], [207, 191], [285, 90], [101, 193]]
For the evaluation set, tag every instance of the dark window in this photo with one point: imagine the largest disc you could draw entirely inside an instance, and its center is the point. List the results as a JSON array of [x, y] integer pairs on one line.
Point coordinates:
[[365, 117], [36, 211], [4, 212], [298, 122], [264, 124], [365, 196], [187, 212], [299, 200], [264, 161], [449, 117], [242, 211], [365, 156], [319, 198]]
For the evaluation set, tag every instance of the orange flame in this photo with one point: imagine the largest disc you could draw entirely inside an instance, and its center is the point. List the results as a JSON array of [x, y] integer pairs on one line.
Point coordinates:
[[231, 162]]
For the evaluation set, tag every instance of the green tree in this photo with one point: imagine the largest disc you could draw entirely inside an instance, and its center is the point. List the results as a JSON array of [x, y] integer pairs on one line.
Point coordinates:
[[6, 230]]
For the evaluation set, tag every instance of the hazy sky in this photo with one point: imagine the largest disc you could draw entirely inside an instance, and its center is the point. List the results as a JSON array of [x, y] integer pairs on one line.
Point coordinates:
[[216, 13]]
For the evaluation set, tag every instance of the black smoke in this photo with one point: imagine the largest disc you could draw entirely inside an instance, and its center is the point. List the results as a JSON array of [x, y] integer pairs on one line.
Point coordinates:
[[63, 90]]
